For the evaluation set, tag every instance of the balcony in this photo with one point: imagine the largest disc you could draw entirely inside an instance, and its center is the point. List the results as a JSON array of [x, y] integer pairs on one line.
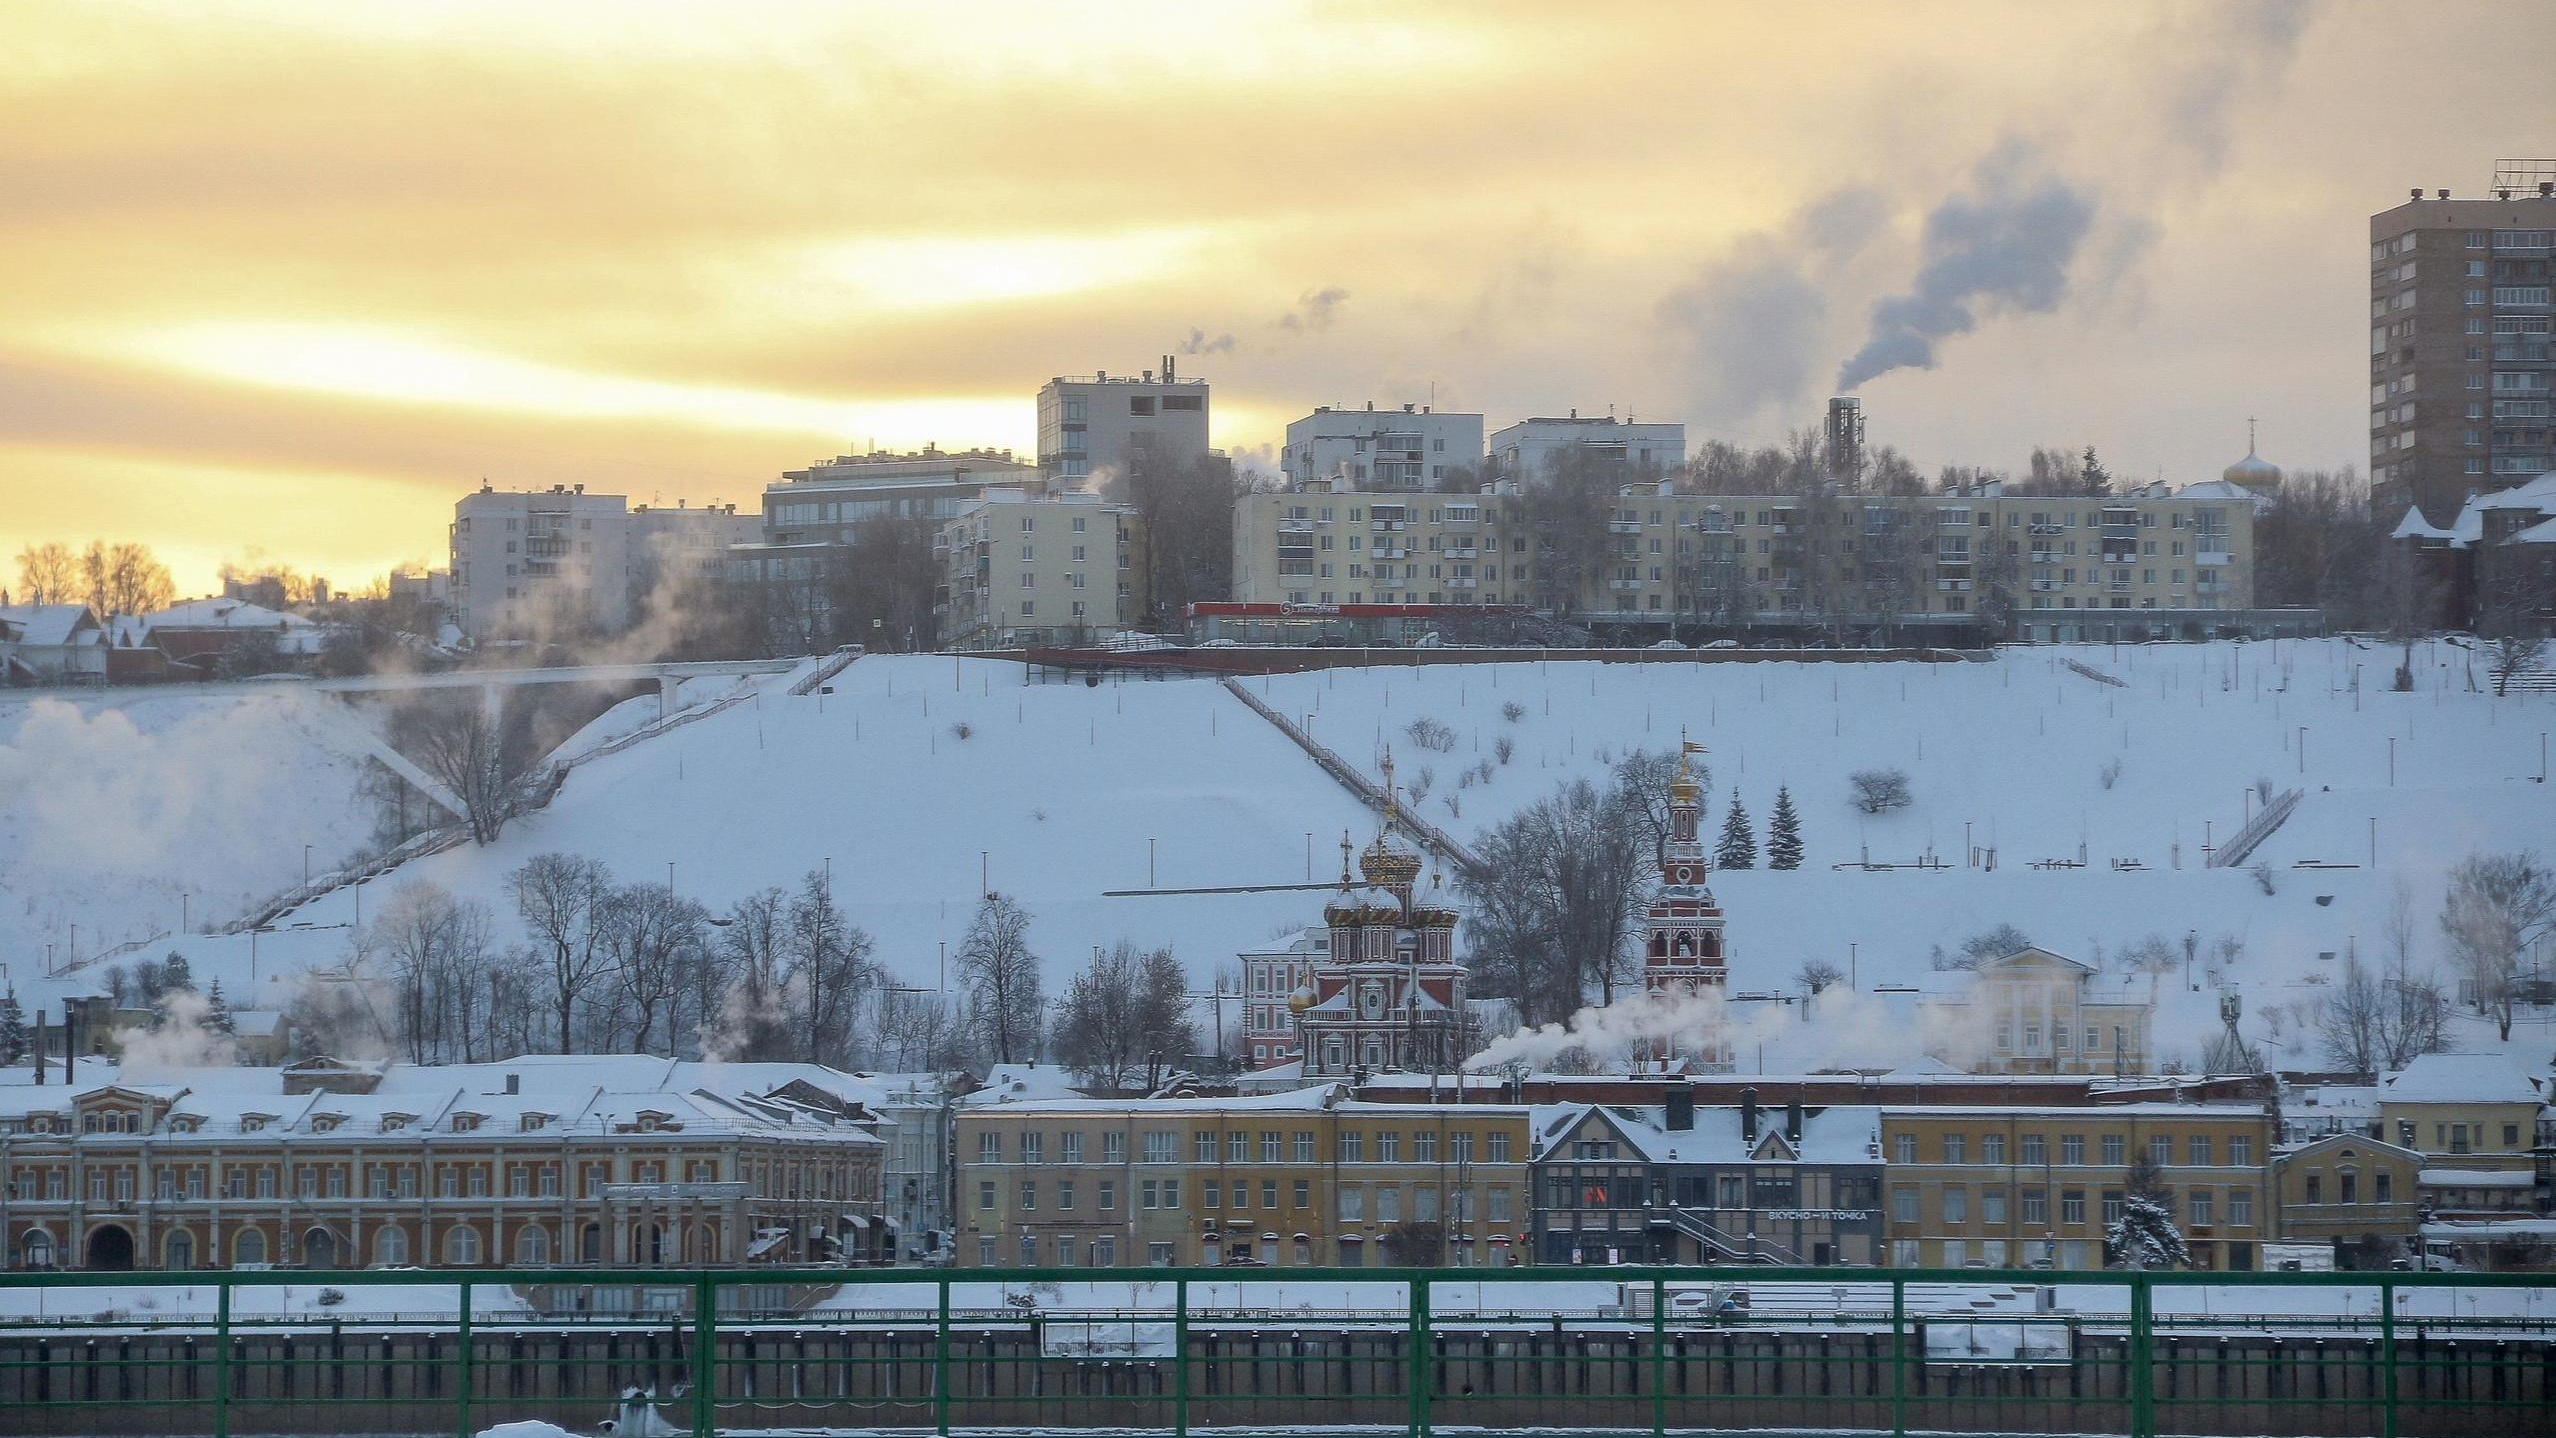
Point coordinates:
[[1388, 526], [1389, 551], [1621, 585], [1460, 551], [1461, 583], [2120, 586], [2041, 529], [1624, 526], [2045, 586], [1295, 526], [2213, 557]]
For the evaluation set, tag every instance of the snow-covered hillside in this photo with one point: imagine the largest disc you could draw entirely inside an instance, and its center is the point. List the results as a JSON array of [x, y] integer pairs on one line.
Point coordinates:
[[122, 818], [924, 778]]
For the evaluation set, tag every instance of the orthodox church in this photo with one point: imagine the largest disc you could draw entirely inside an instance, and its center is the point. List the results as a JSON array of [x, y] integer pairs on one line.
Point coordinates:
[[1390, 994], [1682, 954]]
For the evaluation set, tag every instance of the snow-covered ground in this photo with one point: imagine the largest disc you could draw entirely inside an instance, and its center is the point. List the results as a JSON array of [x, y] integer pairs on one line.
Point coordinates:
[[124, 818], [924, 778]]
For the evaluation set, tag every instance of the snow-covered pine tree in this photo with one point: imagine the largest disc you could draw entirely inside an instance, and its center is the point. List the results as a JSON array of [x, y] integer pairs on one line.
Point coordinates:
[[1738, 849], [217, 1011], [2146, 1235], [1784, 833], [13, 1028]]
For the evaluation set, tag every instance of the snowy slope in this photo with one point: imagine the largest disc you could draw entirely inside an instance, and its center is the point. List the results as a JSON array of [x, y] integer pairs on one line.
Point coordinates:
[[1057, 788], [110, 812], [2016, 751]]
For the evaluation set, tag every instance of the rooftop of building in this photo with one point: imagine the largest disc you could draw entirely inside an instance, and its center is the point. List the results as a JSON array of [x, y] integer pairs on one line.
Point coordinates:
[[2461, 1078]]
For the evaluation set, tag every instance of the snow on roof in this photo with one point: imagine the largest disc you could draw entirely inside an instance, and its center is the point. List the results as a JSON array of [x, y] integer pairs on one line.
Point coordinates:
[[2476, 1178], [2460, 1078], [217, 613], [1300, 1100], [45, 626], [2539, 493], [2543, 532], [1843, 1133], [1017, 1083]]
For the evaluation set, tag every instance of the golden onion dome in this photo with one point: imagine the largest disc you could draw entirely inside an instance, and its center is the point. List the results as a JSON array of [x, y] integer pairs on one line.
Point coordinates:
[[1300, 1000], [1435, 918], [1388, 867]]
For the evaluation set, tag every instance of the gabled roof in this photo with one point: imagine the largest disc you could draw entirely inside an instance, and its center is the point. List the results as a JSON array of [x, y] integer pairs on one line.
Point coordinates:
[[2353, 1141], [48, 626], [2032, 954]]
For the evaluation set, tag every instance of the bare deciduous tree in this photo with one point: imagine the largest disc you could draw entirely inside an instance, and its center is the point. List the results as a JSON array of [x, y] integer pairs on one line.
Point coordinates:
[[1125, 1020], [2499, 905], [1552, 911], [1001, 973], [564, 901], [1878, 791], [830, 969], [449, 735], [653, 935]]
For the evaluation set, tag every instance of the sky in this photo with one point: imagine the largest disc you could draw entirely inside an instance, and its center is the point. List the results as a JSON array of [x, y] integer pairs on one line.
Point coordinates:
[[283, 280]]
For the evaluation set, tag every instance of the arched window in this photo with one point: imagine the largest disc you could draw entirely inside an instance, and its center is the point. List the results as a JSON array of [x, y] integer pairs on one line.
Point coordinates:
[[532, 1244], [248, 1248], [181, 1250], [461, 1246], [647, 1243], [390, 1247], [39, 1248]]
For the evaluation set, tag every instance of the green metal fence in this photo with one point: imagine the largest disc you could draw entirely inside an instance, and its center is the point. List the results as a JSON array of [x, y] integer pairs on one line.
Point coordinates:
[[1254, 1351]]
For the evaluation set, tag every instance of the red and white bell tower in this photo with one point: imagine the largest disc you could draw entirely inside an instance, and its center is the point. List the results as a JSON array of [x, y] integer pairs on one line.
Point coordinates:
[[1683, 955]]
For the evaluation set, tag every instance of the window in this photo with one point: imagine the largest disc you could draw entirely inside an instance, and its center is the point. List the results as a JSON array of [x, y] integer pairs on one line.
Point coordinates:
[[2111, 1206], [2116, 1149], [1956, 1148], [1113, 1148], [2241, 1150], [2072, 1206], [1303, 1144], [1992, 1148], [1351, 1146], [1353, 1204], [2197, 1151], [1903, 1204], [989, 1147], [1304, 1194], [2203, 1206], [2035, 1206], [1065, 1195], [1109, 1195], [1389, 1146], [1202, 1147], [1029, 1194], [2035, 1150], [1903, 1148], [1072, 1147], [2241, 1207], [985, 1194], [1956, 1205], [1159, 1146], [1033, 1147], [1269, 1143]]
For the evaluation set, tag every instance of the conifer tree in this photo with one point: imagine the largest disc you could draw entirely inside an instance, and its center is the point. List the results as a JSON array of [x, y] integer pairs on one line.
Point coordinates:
[[1784, 833], [13, 1028], [1738, 849], [217, 1011]]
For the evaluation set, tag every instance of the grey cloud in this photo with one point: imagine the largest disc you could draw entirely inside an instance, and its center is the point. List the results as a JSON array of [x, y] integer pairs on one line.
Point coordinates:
[[1202, 343], [1315, 310], [1748, 325], [2003, 245]]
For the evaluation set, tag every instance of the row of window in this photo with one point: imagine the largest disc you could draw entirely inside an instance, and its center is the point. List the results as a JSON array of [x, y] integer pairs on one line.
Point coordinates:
[[2199, 1150], [1242, 1146], [2032, 1206]]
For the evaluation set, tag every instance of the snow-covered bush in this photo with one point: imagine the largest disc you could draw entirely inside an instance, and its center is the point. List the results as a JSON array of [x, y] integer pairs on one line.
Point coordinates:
[[1878, 791], [1505, 747], [1513, 711], [2109, 774], [1431, 735]]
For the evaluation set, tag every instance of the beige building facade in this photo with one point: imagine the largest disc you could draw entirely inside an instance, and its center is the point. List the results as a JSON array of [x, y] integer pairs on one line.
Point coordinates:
[[323, 1165], [2043, 564], [1297, 1179], [2026, 1187], [1025, 568]]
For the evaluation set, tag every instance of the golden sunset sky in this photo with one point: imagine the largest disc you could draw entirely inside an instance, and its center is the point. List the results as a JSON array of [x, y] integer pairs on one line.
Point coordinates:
[[290, 277]]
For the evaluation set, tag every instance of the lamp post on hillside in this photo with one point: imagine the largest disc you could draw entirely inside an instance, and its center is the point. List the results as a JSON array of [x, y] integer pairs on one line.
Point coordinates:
[[306, 866]]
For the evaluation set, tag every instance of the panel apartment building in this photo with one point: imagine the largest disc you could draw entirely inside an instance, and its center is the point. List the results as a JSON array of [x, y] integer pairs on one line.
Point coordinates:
[[1414, 448], [1028, 569], [562, 561], [2459, 343], [1738, 561], [1099, 425]]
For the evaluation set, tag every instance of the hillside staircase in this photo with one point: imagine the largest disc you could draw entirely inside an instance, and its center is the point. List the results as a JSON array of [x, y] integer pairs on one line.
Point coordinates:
[[1438, 841]]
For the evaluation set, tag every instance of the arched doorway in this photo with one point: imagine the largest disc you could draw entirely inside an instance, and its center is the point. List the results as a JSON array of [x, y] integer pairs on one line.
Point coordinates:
[[111, 1248], [319, 1249], [39, 1248], [181, 1250]]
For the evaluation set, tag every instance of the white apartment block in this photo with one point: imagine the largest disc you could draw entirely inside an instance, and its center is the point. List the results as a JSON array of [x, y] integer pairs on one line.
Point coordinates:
[[1737, 560], [825, 503], [1099, 425], [544, 561], [560, 560], [1412, 448], [1528, 450], [1028, 569]]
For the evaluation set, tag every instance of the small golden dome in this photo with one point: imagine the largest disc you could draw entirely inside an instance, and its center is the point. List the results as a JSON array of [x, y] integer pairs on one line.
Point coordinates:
[[1388, 867], [1301, 1000]]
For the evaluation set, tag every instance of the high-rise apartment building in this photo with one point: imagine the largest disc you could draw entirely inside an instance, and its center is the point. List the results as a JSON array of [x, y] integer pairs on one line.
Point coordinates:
[[1411, 448], [2459, 331], [1101, 424]]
